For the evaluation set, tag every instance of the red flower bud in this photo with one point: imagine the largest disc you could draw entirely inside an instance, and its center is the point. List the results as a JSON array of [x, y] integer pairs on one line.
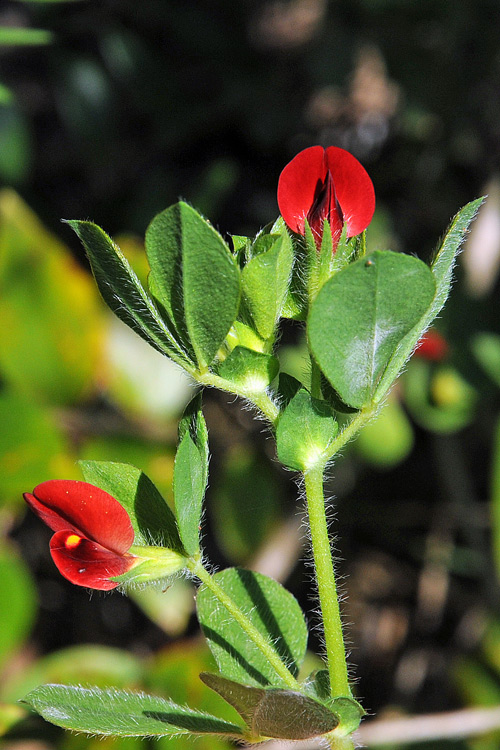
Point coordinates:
[[93, 532], [326, 185]]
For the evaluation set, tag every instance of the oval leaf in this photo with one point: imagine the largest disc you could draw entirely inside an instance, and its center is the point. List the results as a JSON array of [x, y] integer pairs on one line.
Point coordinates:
[[361, 315], [272, 610], [265, 281]]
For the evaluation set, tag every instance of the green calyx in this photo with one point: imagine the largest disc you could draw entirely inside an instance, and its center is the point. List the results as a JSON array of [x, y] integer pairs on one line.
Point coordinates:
[[153, 564]]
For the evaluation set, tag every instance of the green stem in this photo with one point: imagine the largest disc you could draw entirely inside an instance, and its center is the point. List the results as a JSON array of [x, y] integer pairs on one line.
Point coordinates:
[[260, 641], [323, 561], [262, 400], [350, 430], [325, 577]]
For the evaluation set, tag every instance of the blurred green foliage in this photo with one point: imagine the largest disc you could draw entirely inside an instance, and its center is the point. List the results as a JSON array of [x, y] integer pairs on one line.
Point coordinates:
[[131, 106]]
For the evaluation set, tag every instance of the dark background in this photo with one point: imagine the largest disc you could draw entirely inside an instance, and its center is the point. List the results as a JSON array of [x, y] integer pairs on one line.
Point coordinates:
[[134, 105]]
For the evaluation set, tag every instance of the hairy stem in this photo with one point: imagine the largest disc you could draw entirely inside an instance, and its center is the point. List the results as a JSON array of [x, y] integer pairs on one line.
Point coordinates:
[[325, 577], [323, 560], [262, 399]]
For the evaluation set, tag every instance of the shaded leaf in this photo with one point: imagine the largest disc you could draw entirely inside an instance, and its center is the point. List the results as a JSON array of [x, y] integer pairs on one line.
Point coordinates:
[[191, 474], [152, 520], [244, 503], [195, 278], [272, 610]]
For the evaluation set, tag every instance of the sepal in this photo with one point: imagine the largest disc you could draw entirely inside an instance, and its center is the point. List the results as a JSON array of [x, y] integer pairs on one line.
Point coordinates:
[[153, 564]]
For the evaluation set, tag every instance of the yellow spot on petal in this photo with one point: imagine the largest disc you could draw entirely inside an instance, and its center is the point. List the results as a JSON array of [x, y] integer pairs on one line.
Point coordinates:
[[73, 541]]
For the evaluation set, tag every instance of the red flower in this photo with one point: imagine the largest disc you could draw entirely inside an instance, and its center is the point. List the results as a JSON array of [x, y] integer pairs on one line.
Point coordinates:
[[326, 184], [432, 346], [93, 531]]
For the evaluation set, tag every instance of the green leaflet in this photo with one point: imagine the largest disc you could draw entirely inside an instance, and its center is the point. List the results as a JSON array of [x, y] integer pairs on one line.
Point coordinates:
[[153, 521], [191, 474], [361, 315], [121, 713], [442, 270], [265, 281], [123, 292], [271, 609], [195, 278]]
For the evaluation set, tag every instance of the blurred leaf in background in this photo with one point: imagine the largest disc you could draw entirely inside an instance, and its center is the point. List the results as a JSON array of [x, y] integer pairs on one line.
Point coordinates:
[[50, 315]]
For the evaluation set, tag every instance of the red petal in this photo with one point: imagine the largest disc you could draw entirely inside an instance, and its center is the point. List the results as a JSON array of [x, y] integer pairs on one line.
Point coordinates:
[[87, 563], [353, 188], [84, 509], [297, 186]]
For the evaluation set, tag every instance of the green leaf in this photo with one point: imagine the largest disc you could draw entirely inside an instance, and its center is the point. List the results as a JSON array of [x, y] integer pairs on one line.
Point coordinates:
[[17, 602], [31, 446], [442, 270], [191, 474], [123, 292], [175, 672], [15, 37], [361, 315], [265, 281], [486, 349], [249, 371], [153, 521], [245, 502], [272, 712], [50, 311], [102, 666], [446, 254], [318, 685], [288, 386], [305, 429], [387, 440], [121, 713], [271, 609], [195, 277]]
